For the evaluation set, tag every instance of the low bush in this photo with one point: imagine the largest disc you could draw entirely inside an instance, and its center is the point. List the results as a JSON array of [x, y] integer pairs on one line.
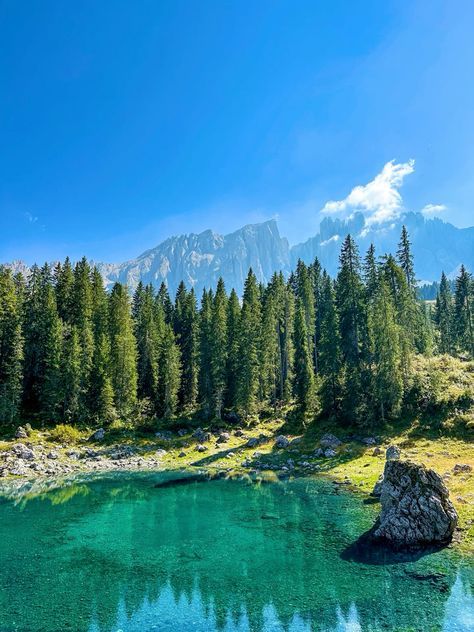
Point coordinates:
[[63, 433]]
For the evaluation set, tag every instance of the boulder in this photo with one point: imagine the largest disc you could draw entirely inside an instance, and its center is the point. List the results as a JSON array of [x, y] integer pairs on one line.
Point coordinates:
[[329, 441], [52, 455], [393, 453], [21, 451], [282, 442], [253, 442], [369, 441], [21, 433], [377, 451], [329, 453], [416, 510], [98, 435], [223, 437], [201, 436], [201, 448]]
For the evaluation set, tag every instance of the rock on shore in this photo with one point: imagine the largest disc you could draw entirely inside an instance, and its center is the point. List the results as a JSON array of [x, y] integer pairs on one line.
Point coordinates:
[[416, 510]]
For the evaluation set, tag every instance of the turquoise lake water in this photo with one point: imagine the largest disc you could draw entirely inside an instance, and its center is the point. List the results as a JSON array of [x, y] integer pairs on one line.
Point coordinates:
[[119, 554]]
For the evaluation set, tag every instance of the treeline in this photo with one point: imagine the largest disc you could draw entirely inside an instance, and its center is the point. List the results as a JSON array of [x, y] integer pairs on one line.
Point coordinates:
[[71, 352]]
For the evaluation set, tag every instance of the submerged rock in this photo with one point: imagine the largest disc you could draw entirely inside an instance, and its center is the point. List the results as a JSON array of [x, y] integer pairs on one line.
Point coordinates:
[[416, 510]]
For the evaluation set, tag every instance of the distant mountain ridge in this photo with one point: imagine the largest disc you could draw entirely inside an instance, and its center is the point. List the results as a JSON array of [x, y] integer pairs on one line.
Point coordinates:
[[200, 259]]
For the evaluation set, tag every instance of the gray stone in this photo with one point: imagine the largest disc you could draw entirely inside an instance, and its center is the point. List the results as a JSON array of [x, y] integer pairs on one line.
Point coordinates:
[[201, 436], [201, 448], [282, 442], [20, 450], [318, 453], [378, 487], [253, 442], [462, 468], [181, 454], [182, 432], [52, 455], [223, 437], [416, 510], [21, 433], [164, 435], [329, 440], [98, 435], [329, 453], [239, 432], [161, 452], [369, 441], [393, 453], [377, 451]]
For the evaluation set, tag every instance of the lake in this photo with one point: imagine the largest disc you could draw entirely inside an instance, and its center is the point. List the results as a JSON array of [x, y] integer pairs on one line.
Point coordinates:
[[118, 553]]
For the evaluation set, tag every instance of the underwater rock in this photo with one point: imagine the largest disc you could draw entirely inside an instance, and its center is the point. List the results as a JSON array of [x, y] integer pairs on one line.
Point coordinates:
[[416, 510]]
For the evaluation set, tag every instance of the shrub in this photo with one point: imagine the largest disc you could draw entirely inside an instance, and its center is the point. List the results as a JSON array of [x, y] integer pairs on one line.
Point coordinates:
[[65, 434]]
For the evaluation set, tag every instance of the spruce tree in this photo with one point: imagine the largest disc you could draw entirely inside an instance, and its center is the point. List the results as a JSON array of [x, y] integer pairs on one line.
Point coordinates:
[[330, 351], [205, 349], [249, 343], [100, 394], [186, 328], [169, 374], [303, 368], [387, 370], [64, 288], [463, 312], [444, 316], [146, 335], [123, 352], [11, 348], [233, 349], [405, 260], [218, 349], [70, 377]]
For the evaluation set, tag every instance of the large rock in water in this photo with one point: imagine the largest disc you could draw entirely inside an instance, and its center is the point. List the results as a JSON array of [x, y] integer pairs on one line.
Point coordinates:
[[416, 510]]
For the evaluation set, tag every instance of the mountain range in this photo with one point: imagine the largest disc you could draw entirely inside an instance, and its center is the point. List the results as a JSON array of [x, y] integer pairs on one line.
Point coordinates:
[[200, 259]]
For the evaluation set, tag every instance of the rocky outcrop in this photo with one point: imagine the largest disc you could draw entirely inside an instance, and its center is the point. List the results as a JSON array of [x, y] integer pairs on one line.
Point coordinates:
[[416, 510]]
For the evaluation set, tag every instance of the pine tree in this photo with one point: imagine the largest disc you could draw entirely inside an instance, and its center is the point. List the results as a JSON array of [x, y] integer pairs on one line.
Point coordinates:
[[444, 316], [70, 376], [169, 374], [146, 335], [249, 343], [218, 354], [205, 346], [100, 394], [405, 260], [270, 379], [304, 374], [81, 318], [43, 341], [387, 370], [370, 272], [463, 311], [186, 329], [163, 299], [305, 292], [11, 348], [64, 288], [233, 349], [123, 352], [330, 351]]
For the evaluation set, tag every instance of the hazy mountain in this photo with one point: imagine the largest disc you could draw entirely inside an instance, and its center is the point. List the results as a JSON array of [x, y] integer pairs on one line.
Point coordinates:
[[199, 259]]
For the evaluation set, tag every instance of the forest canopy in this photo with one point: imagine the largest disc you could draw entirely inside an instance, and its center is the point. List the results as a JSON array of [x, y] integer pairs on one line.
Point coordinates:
[[343, 348]]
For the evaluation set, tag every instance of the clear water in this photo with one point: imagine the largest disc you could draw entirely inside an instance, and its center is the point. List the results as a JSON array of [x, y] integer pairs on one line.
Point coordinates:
[[117, 554]]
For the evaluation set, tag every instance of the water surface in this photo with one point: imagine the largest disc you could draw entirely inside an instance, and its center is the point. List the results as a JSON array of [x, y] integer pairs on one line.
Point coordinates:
[[119, 554]]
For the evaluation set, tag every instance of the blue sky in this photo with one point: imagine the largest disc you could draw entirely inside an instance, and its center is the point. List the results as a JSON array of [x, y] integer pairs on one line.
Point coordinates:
[[122, 123]]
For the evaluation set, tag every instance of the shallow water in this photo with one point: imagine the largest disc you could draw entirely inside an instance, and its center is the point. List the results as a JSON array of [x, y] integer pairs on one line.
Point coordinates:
[[118, 553]]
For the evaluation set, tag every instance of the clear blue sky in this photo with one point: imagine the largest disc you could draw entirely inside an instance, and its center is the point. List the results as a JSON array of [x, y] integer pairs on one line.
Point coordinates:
[[124, 122]]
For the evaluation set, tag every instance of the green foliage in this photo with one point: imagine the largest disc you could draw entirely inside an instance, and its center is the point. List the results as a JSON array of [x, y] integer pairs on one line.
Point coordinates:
[[64, 433], [359, 348]]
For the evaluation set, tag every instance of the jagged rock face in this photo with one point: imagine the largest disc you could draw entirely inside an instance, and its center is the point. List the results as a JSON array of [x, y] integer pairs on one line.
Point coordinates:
[[200, 259], [416, 510]]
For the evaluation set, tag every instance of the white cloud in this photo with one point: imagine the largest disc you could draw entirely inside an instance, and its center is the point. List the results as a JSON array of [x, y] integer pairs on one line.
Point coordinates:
[[433, 209], [380, 199], [31, 218]]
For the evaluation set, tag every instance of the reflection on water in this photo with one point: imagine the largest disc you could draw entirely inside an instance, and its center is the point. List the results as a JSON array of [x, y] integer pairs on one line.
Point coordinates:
[[119, 553]]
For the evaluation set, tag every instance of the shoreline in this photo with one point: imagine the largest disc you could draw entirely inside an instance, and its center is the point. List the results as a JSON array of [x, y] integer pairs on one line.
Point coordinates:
[[35, 464]]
